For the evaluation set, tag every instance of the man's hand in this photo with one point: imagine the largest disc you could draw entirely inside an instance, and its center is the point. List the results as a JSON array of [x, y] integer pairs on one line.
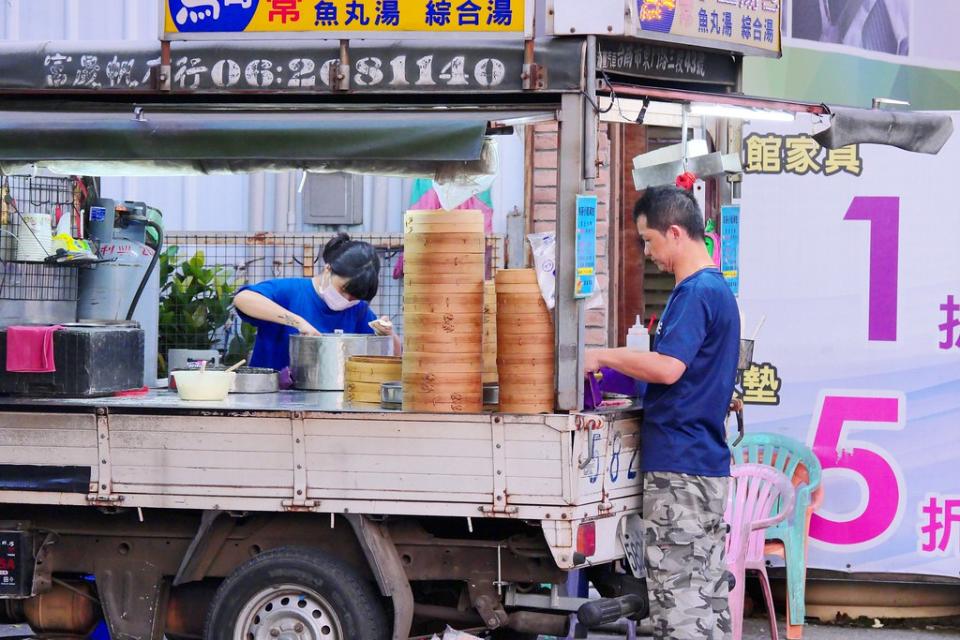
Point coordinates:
[[736, 405], [591, 360]]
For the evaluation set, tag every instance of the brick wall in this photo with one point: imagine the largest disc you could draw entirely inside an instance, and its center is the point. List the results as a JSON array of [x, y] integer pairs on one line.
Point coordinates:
[[545, 213]]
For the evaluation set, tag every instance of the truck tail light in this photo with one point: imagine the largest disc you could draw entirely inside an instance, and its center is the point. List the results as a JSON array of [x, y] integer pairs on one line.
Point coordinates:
[[587, 538]]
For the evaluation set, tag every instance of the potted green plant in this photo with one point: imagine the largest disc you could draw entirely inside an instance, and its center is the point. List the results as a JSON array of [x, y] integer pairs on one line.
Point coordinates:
[[196, 301]]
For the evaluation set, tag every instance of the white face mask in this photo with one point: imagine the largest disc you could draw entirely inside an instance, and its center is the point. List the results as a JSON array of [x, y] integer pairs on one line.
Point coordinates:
[[333, 298]]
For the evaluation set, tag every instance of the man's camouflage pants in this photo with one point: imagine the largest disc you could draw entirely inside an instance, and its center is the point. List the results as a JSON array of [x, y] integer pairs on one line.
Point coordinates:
[[685, 534]]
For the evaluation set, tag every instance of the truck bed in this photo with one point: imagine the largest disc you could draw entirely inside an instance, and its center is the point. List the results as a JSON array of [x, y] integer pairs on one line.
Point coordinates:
[[308, 451]]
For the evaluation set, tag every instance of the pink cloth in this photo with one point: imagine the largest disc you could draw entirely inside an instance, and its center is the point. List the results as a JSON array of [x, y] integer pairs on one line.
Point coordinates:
[[30, 349]]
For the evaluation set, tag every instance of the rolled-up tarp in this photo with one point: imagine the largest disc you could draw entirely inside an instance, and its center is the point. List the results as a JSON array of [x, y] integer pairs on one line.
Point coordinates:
[[912, 131]]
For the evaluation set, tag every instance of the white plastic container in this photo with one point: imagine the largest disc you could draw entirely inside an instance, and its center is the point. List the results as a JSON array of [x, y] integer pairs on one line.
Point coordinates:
[[203, 385], [638, 338], [34, 237]]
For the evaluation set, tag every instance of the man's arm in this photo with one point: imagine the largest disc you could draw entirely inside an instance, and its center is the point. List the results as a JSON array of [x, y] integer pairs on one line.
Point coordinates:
[[648, 366]]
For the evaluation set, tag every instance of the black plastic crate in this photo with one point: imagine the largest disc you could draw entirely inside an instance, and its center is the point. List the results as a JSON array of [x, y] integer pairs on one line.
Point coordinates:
[[91, 361]]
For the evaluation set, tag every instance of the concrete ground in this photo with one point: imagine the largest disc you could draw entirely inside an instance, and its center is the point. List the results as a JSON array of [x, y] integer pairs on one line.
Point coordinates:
[[753, 629], [757, 629]]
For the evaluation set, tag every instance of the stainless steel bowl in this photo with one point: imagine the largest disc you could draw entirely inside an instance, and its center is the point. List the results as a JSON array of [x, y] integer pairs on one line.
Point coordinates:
[[317, 362], [491, 394], [391, 395], [256, 380]]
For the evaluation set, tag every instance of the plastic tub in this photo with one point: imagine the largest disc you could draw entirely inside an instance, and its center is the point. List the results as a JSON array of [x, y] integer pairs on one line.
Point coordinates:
[[203, 385]]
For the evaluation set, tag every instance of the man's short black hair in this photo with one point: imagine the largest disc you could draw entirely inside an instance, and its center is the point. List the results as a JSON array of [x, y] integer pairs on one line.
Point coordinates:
[[667, 206]]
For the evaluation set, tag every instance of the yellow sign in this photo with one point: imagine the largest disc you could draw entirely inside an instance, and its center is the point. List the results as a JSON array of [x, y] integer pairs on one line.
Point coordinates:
[[196, 19], [735, 25], [798, 154]]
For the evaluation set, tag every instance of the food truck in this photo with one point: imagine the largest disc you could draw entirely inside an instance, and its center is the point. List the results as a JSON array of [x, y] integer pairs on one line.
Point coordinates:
[[299, 513]]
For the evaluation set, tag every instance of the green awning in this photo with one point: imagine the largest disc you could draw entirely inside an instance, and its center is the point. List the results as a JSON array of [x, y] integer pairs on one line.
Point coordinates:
[[181, 140]]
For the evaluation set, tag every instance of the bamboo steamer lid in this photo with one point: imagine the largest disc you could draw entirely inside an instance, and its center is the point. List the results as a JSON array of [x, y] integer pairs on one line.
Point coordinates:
[[439, 290], [543, 400], [428, 362], [525, 288], [524, 309], [372, 369], [444, 227], [521, 341], [444, 402], [473, 280], [515, 276], [459, 380], [440, 303], [443, 331], [532, 328], [428, 216], [518, 407], [444, 263], [511, 374], [417, 244], [472, 339], [523, 381], [439, 406], [461, 346], [532, 361], [442, 322], [361, 392], [417, 393], [531, 387], [521, 303]]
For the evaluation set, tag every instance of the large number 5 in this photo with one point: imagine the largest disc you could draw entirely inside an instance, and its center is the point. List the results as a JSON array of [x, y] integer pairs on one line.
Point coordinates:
[[881, 497]]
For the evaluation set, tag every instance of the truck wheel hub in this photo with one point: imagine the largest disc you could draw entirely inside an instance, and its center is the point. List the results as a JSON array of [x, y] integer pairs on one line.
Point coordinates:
[[288, 612]]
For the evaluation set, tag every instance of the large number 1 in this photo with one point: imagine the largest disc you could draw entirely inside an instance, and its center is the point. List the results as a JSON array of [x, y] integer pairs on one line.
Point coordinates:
[[881, 497], [884, 216]]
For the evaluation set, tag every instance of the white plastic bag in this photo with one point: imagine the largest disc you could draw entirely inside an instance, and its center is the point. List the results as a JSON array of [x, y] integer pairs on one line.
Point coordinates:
[[544, 247]]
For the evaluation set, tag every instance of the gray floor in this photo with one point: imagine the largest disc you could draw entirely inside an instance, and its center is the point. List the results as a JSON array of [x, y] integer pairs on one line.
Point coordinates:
[[758, 629]]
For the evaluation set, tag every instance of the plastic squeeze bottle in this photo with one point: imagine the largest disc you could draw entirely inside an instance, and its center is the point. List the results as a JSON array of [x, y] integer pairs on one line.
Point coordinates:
[[638, 338]]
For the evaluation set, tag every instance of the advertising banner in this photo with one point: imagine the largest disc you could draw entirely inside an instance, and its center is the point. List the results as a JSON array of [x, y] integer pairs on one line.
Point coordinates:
[[749, 26], [237, 19], [849, 256]]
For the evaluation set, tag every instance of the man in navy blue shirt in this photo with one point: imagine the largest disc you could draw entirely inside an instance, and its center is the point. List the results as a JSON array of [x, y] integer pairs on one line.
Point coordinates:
[[691, 373]]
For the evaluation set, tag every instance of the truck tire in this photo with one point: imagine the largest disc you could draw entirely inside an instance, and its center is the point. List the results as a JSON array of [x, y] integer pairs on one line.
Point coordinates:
[[293, 592]]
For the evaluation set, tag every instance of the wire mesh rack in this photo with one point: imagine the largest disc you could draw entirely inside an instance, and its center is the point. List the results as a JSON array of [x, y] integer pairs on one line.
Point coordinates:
[[20, 195], [33, 280], [37, 281], [234, 260]]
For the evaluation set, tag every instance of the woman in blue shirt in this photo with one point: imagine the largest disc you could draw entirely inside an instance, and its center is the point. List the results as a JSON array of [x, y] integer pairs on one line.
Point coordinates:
[[337, 298]]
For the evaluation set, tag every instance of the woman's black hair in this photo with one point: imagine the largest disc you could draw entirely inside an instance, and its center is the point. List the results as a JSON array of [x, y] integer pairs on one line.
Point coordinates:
[[355, 260]]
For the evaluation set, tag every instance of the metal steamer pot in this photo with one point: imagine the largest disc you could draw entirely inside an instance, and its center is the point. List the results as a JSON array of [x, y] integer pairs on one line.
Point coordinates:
[[317, 362]]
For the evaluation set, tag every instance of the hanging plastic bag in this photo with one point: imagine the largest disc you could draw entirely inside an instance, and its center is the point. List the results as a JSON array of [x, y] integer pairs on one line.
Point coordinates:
[[544, 248]]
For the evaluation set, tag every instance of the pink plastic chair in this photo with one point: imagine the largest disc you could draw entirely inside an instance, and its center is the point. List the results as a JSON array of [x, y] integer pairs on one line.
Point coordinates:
[[755, 490]]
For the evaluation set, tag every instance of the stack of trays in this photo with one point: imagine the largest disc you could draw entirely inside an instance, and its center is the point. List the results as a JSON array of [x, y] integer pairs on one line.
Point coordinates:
[[363, 375], [443, 267], [525, 344]]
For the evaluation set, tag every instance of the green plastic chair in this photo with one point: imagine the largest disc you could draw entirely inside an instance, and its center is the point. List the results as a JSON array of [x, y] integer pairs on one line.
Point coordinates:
[[788, 539]]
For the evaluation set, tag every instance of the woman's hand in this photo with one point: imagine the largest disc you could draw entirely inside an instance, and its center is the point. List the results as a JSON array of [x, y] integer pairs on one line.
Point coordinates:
[[305, 328], [382, 326]]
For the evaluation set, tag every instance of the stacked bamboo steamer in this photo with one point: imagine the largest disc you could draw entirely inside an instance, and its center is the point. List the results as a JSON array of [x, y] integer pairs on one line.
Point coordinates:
[[525, 344], [363, 375], [443, 268], [489, 332]]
